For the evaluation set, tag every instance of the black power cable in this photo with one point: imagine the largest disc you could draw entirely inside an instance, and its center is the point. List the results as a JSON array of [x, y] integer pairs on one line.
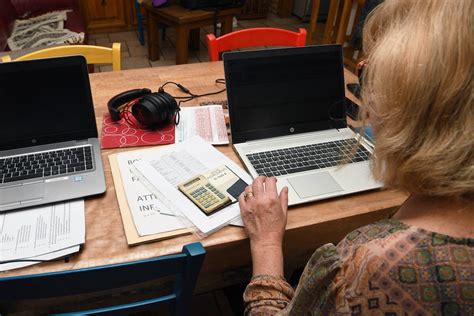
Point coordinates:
[[190, 96]]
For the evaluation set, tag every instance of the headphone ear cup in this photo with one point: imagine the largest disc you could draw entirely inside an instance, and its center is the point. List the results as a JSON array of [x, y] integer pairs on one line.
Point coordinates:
[[144, 111], [155, 110], [116, 102], [172, 107]]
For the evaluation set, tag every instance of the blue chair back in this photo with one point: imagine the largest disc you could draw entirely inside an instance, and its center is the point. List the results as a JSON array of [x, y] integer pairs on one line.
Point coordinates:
[[185, 266]]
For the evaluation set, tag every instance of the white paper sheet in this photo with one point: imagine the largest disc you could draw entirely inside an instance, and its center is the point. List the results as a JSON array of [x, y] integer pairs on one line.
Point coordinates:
[[40, 230], [46, 257], [167, 167], [237, 222], [150, 214], [204, 121]]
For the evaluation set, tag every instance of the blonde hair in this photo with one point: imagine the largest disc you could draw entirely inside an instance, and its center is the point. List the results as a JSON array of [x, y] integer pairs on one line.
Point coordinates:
[[418, 89]]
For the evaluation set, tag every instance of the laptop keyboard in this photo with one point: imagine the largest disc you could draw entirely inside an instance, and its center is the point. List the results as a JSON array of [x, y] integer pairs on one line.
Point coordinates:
[[46, 164], [310, 157]]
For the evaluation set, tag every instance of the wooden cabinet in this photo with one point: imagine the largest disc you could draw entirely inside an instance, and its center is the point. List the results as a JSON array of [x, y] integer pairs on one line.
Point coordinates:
[[108, 15]]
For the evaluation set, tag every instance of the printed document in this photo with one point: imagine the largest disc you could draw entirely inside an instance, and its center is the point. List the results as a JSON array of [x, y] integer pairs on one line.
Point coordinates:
[[41, 230], [149, 213], [46, 257], [162, 170], [204, 121]]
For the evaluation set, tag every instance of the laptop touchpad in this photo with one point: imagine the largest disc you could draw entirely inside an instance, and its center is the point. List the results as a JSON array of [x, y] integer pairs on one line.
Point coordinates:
[[314, 184], [21, 193]]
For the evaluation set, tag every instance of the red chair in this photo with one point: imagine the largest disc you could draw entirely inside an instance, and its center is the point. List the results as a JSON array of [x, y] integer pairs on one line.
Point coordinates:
[[262, 36]]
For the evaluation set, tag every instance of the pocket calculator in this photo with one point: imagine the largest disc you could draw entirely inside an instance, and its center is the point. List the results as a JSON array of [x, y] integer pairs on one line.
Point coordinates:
[[202, 193]]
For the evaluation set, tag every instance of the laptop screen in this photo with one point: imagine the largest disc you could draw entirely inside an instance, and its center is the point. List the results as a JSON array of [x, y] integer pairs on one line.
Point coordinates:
[[45, 101], [284, 91]]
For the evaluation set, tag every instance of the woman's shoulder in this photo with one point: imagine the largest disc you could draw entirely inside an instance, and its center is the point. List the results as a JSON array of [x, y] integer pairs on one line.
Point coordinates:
[[374, 232], [386, 232], [415, 269]]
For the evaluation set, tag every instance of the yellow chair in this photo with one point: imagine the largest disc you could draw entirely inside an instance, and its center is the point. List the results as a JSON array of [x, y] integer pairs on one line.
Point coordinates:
[[93, 54]]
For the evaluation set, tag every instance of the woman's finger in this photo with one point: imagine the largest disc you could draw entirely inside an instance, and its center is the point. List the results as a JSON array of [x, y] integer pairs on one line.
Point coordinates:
[[242, 199], [284, 199], [257, 186], [270, 186]]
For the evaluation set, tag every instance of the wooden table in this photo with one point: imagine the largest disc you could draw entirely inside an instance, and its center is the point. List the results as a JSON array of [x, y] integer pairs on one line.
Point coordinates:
[[187, 24], [228, 257]]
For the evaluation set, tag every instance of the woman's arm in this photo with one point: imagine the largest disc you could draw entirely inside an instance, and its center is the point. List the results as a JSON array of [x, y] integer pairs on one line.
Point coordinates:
[[263, 212]]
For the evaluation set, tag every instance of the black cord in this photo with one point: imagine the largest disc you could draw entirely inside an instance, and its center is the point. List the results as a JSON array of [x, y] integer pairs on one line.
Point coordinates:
[[191, 95]]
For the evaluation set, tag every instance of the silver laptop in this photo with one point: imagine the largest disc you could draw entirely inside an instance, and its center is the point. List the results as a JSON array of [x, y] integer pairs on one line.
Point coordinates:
[[49, 149], [287, 115]]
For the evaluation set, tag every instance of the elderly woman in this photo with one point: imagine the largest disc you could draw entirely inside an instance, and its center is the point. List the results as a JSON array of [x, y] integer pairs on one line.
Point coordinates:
[[419, 97]]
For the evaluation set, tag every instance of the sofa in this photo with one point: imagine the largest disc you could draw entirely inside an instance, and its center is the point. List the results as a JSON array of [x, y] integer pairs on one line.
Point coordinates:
[[10, 10]]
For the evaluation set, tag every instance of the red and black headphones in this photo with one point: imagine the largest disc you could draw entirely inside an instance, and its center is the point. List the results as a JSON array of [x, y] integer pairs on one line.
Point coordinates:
[[152, 110]]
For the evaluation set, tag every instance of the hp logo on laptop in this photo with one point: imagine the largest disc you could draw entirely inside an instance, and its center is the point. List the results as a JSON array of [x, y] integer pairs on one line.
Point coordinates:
[[292, 129]]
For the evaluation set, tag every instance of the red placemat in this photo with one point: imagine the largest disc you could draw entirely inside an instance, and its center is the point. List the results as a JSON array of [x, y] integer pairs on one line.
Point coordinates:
[[122, 134]]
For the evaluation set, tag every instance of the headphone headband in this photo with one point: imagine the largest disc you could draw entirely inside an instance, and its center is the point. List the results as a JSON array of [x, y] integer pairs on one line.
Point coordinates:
[[120, 99]]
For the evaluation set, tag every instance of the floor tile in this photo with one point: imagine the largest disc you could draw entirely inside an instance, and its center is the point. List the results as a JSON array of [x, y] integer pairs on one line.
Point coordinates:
[[106, 68], [98, 36], [122, 36], [202, 55], [137, 51], [167, 43], [124, 53], [134, 43], [253, 23], [135, 62], [123, 45], [168, 52], [162, 62], [102, 41]]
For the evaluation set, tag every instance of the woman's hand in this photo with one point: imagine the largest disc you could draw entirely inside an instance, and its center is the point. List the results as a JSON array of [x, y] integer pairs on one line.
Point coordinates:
[[263, 212]]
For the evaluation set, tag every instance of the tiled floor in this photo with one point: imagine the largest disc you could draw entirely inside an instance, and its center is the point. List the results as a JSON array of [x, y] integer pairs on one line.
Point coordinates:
[[135, 55]]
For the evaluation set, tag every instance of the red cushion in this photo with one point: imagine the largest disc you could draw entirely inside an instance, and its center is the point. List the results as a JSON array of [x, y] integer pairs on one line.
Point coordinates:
[[7, 17], [37, 7], [75, 21]]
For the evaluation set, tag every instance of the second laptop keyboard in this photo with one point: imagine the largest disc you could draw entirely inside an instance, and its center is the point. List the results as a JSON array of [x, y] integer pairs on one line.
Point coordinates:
[[45, 164], [310, 157]]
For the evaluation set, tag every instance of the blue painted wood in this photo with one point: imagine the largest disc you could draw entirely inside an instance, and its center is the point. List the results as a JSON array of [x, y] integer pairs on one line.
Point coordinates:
[[141, 35], [185, 266]]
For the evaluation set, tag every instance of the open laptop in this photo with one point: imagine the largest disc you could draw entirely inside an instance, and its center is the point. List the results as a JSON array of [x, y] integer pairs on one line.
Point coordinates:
[[49, 149], [287, 115]]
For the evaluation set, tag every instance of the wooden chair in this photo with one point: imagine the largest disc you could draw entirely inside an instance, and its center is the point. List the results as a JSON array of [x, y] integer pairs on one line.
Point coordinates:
[[340, 25], [141, 33], [93, 54], [253, 37], [185, 266]]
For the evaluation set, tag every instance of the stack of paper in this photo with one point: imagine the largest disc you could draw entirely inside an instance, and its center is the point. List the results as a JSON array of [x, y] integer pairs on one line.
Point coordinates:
[[41, 234], [161, 171]]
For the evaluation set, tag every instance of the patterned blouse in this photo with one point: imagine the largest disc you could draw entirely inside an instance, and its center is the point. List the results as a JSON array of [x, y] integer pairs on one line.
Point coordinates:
[[387, 268]]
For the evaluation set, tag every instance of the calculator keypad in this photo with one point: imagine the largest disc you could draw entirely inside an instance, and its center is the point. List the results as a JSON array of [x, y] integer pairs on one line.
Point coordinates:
[[206, 196]]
